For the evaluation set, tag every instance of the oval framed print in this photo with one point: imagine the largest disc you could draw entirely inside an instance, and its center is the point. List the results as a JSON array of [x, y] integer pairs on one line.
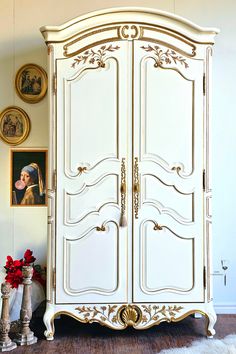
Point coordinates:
[[14, 125], [31, 83]]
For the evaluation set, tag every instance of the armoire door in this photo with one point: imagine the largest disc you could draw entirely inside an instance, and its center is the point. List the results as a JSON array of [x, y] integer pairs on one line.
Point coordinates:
[[168, 176], [92, 115], [133, 111]]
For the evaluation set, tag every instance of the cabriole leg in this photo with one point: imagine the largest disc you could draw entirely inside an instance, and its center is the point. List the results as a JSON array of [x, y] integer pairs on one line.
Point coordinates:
[[48, 320]]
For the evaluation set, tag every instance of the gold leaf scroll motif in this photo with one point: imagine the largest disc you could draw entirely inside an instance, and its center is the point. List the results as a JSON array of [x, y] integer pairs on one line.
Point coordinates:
[[104, 313], [95, 57], [155, 313], [165, 57]]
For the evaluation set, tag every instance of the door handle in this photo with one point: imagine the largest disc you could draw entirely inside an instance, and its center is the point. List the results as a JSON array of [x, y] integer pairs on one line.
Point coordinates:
[[123, 221], [136, 186]]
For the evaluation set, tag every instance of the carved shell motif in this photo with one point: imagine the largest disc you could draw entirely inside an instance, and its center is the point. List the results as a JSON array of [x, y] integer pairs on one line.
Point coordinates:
[[129, 316]]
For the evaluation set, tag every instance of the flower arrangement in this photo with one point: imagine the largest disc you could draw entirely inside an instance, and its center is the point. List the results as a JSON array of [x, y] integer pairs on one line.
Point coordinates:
[[14, 269]]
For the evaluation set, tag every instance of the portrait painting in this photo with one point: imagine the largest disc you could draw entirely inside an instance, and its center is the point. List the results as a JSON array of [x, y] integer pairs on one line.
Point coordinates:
[[14, 125], [31, 83], [28, 177]]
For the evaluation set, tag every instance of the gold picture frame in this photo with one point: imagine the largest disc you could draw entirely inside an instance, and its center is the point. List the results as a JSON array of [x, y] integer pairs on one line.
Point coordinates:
[[31, 83], [14, 125]]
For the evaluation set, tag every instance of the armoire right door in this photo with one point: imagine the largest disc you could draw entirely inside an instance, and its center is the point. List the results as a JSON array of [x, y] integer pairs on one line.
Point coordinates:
[[168, 232]]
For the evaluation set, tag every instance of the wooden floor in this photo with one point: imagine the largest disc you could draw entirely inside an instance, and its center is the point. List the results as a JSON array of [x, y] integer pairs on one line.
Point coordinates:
[[73, 337]]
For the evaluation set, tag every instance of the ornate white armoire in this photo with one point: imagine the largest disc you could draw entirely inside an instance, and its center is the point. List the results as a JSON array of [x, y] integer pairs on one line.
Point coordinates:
[[129, 174]]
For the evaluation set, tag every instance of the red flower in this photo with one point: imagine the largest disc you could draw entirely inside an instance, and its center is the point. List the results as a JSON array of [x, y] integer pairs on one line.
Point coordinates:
[[14, 269], [9, 262], [14, 278], [28, 257]]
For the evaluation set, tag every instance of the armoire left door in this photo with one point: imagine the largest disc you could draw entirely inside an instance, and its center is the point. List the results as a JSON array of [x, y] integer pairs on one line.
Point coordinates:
[[92, 152]]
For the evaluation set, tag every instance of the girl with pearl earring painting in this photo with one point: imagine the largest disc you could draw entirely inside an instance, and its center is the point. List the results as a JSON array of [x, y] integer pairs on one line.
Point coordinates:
[[28, 179]]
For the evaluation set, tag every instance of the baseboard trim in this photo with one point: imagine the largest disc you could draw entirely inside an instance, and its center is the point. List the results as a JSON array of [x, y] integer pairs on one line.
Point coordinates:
[[225, 309]]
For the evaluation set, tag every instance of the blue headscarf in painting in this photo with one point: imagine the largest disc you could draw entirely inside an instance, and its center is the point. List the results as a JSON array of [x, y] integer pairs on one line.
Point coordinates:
[[35, 174]]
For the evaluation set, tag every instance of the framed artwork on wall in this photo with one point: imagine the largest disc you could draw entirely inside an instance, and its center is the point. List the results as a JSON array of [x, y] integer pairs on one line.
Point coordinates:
[[28, 177], [14, 125], [31, 83]]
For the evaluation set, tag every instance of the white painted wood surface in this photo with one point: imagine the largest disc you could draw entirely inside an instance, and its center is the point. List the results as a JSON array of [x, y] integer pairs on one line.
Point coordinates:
[[129, 89]]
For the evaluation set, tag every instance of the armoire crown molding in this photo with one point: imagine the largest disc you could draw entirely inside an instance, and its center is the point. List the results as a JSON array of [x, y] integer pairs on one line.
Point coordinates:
[[117, 15]]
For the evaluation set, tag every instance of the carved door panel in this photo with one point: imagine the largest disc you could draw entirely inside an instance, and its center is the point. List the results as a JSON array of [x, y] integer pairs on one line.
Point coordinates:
[[92, 115], [168, 165]]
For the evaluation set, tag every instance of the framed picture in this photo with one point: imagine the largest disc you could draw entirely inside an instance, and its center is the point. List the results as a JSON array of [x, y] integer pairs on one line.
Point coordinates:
[[14, 125], [31, 83], [28, 177]]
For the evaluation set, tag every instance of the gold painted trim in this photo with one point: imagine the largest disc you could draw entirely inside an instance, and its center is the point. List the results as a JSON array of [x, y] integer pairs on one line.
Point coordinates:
[[169, 32], [67, 119], [54, 83], [136, 186], [91, 45], [136, 29], [65, 282], [143, 246], [167, 57], [159, 160], [94, 57], [123, 188], [110, 323], [90, 33], [49, 48], [156, 28], [129, 315]]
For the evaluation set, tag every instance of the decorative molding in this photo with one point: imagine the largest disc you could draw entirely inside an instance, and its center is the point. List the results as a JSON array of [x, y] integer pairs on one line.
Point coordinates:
[[101, 228], [136, 192], [86, 188], [165, 57], [123, 221], [148, 290], [137, 316], [81, 170], [70, 241], [50, 48], [130, 315], [93, 57], [130, 32], [154, 313], [103, 314]]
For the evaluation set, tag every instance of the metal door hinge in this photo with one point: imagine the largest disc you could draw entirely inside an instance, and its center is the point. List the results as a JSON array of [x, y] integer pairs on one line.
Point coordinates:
[[204, 277], [204, 84], [54, 278], [54, 180], [204, 180], [54, 85]]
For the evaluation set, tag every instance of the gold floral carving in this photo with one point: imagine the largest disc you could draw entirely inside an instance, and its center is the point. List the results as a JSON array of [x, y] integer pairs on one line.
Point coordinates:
[[123, 193], [137, 316], [136, 188], [165, 57], [154, 313], [95, 57], [103, 314]]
